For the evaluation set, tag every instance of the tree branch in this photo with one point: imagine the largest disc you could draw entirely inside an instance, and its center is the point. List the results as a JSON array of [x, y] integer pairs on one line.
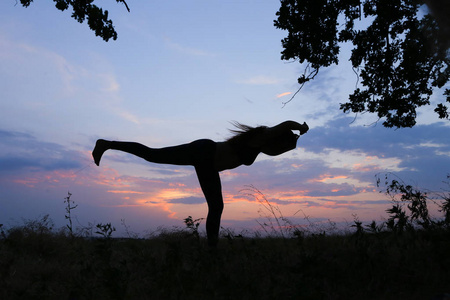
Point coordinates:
[[126, 5]]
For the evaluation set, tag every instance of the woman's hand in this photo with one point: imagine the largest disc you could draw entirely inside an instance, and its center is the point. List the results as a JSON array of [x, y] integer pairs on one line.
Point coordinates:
[[303, 128]]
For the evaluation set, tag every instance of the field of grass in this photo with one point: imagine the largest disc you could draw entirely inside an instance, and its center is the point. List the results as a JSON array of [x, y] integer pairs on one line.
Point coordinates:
[[37, 263], [405, 257]]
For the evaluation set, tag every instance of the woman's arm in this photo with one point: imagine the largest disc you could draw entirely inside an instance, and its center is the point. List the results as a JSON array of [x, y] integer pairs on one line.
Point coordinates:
[[291, 125], [271, 133]]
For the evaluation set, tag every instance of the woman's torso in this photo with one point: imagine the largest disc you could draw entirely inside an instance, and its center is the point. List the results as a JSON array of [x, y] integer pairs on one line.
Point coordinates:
[[228, 157]]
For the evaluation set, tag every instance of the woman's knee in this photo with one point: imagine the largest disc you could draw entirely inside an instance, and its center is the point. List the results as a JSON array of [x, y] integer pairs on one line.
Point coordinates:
[[215, 209]]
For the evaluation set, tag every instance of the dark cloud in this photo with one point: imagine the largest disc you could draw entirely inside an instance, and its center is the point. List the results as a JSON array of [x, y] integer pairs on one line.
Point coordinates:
[[11, 163], [374, 140], [423, 151], [22, 151], [188, 200], [326, 190], [14, 135], [355, 202], [327, 203], [169, 170]]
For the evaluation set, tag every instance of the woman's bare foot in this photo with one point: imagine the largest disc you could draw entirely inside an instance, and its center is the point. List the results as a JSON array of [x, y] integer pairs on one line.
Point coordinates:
[[100, 147]]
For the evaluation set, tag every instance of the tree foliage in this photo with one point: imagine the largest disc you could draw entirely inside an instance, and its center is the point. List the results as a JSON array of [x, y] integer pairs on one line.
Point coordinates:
[[400, 57], [97, 19]]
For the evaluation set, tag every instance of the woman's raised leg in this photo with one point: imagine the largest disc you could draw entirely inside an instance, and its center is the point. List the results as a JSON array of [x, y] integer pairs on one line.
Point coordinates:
[[176, 155]]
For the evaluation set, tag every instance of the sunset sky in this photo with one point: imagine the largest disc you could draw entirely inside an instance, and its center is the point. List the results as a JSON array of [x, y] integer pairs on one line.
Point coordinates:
[[180, 71]]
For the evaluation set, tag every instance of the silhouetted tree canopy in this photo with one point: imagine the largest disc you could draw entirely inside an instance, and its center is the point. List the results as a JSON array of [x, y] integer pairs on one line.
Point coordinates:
[[399, 57], [97, 19]]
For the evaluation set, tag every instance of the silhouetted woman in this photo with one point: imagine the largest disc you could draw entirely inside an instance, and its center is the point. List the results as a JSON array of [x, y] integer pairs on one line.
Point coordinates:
[[209, 158]]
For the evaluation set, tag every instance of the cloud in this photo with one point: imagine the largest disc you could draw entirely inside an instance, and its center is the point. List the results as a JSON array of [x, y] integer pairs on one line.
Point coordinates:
[[8, 134], [344, 204], [20, 151], [53, 68], [128, 116], [373, 140], [187, 50], [334, 168], [56, 83], [284, 94], [188, 200], [110, 83], [9, 164], [124, 192]]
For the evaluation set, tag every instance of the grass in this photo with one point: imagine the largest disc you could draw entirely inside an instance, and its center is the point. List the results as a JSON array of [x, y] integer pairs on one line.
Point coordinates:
[[407, 257], [43, 264]]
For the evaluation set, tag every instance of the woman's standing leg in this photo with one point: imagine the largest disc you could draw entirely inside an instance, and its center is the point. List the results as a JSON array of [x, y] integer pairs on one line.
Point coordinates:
[[209, 180]]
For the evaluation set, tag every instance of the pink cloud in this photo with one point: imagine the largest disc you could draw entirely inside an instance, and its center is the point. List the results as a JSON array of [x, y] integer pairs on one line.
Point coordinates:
[[284, 94]]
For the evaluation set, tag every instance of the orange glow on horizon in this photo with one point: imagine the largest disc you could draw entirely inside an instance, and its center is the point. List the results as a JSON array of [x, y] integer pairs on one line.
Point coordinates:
[[164, 206], [294, 195], [155, 196], [177, 184], [168, 194], [124, 192]]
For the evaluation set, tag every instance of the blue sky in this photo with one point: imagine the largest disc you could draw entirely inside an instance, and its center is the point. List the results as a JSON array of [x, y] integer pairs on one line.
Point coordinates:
[[180, 71]]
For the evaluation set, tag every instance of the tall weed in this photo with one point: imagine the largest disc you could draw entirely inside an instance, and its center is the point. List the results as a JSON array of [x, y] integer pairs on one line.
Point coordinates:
[[69, 207], [274, 223]]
